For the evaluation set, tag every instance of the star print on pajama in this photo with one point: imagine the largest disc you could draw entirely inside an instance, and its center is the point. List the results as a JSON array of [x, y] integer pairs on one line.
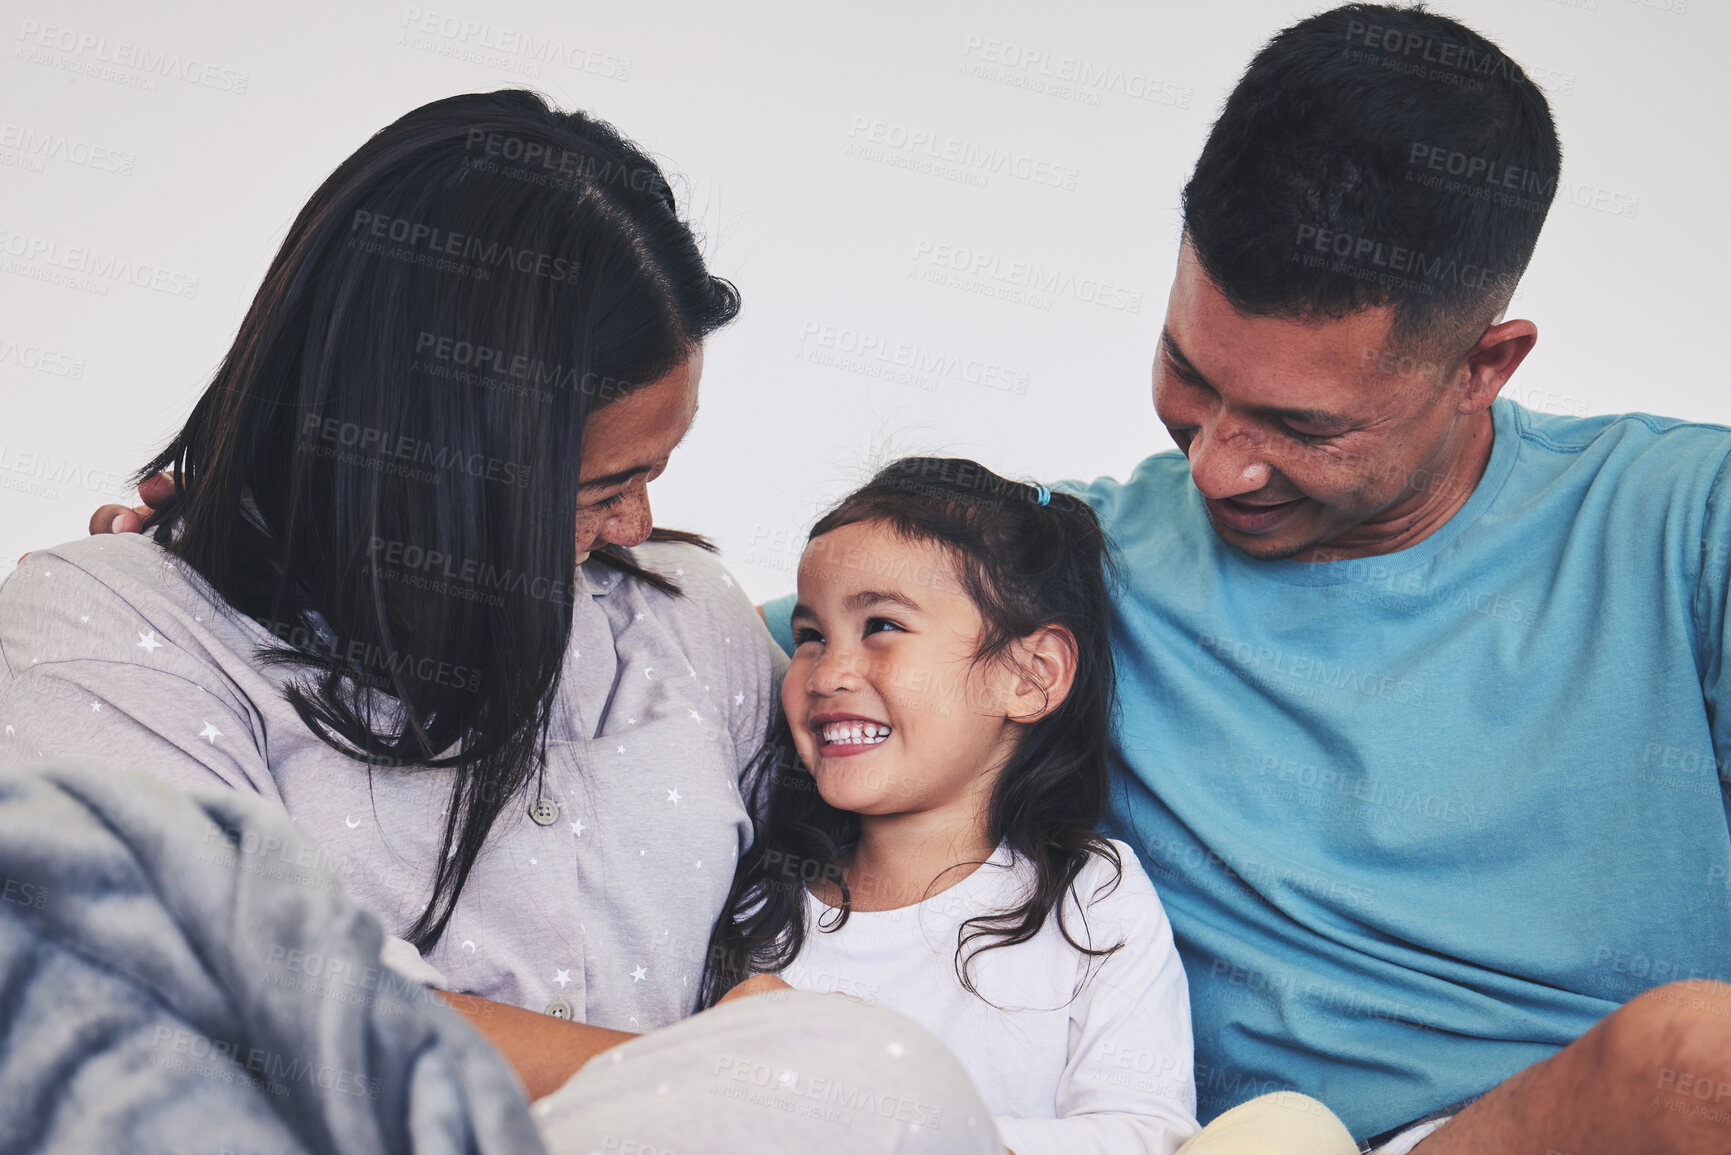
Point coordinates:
[[639, 815]]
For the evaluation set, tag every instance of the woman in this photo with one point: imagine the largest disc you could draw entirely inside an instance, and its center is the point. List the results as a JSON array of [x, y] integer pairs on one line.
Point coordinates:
[[519, 746]]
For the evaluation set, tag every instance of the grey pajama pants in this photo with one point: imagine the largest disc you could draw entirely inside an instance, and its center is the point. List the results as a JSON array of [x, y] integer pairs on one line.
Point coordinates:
[[786, 1071]]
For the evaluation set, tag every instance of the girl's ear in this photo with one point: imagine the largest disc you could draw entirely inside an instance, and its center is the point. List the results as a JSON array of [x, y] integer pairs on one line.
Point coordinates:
[[1045, 672]]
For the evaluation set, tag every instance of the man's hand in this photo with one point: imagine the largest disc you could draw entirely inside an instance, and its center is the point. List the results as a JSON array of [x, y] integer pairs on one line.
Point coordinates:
[[755, 985], [154, 493]]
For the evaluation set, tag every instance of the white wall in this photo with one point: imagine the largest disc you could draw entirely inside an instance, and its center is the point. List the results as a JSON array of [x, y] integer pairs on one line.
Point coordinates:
[[758, 108]]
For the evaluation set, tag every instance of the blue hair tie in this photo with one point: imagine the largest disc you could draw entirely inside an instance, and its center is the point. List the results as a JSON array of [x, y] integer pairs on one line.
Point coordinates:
[[1045, 495]]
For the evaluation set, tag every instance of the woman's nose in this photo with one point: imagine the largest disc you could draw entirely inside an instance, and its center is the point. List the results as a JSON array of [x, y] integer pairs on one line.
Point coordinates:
[[630, 525]]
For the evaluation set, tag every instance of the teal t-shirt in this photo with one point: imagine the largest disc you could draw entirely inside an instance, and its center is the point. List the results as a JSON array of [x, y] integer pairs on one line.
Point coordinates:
[[1419, 820]]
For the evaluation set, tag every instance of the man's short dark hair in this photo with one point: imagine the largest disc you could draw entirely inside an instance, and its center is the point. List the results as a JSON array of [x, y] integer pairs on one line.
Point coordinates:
[[1375, 155]]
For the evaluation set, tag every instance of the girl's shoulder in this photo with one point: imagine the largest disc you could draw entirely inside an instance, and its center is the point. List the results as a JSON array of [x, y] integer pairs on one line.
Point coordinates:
[[1120, 893]]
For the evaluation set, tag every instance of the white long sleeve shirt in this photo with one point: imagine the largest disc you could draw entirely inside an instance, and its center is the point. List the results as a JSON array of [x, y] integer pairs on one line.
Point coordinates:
[[1107, 1070]]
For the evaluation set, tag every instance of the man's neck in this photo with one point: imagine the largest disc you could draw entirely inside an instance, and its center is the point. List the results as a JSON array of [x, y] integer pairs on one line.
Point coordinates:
[[1436, 496]]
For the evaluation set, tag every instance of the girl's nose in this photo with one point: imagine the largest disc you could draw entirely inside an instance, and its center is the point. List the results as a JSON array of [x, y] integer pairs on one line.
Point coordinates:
[[834, 672]]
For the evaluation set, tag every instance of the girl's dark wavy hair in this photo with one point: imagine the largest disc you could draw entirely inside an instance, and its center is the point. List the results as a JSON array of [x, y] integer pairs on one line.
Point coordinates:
[[1025, 566], [415, 374]]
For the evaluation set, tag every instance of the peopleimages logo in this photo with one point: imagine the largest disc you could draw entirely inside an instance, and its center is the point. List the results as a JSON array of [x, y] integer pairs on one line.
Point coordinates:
[[1065, 77], [919, 149], [31, 145], [483, 42], [38, 257], [84, 51], [27, 356], [435, 241], [322, 436], [1024, 282]]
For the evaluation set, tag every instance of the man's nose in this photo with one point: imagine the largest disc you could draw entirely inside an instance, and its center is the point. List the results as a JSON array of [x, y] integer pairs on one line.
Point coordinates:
[[1225, 461]]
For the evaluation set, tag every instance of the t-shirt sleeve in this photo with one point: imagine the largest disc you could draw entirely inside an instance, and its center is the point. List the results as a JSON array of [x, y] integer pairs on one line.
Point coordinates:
[[1713, 623], [1129, 1084], [86, 675], [776, 615]]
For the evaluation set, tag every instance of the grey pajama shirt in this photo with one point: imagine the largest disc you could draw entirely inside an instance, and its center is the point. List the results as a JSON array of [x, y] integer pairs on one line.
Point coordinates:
[[596, 893]]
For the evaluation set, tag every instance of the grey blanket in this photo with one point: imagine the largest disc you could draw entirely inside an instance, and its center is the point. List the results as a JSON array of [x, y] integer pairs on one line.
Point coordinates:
[[183, 974]]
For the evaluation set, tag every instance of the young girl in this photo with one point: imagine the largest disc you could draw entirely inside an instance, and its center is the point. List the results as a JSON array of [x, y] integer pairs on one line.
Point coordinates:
[[932, 804]]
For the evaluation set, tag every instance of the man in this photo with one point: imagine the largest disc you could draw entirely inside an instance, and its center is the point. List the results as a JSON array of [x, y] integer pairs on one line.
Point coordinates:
[[1421, 730]]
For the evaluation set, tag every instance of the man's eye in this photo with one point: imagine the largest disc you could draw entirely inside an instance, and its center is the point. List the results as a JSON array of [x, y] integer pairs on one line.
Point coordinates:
[[1184, 375], [879, 625], [1307, 438]]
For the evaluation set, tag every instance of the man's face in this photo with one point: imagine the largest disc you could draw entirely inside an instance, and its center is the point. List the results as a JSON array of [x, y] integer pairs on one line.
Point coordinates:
[[1308, 441]]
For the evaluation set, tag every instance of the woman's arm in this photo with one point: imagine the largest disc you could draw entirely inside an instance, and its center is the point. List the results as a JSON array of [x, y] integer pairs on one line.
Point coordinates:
[[543, 1050]]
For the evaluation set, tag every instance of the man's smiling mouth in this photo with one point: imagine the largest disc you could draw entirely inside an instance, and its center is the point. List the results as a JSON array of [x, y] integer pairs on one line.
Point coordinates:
[[1250, 517]]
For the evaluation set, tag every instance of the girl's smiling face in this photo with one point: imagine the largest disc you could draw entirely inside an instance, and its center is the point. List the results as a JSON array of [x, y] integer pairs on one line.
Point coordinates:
[[888, 709]]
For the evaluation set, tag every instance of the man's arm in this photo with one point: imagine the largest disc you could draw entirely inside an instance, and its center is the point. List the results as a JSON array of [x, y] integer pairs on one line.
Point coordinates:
[[1652, 1078], [154, 492]]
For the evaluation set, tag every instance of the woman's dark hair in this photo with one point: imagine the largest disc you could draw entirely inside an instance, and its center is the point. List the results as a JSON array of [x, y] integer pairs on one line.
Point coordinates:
[[1025, 565], [1376, 155], [384, 471]]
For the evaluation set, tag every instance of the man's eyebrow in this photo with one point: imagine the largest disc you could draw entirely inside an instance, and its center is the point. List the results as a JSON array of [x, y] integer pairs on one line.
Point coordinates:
[[1170, 343], [1321, 417]]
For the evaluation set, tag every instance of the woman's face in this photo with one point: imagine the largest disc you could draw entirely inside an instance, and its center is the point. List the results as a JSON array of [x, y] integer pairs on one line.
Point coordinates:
[[625, 446]]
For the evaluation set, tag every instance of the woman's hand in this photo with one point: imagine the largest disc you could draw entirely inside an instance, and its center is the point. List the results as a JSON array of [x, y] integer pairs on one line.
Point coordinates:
[[755, 985], [154, 492]]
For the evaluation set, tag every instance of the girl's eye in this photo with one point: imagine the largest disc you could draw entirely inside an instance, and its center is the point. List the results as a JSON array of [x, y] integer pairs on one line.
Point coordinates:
[[879, 625], [804, 635]]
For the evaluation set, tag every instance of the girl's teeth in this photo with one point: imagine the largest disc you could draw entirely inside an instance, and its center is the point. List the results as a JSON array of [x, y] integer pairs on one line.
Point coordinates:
[[855, 733]]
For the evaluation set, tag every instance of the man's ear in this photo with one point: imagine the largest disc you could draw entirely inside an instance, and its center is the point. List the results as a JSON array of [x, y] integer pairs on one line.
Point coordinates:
[[1044, 665], [1490, 363]]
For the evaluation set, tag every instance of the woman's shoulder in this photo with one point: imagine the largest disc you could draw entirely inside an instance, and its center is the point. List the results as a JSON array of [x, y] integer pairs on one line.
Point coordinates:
[[709, 596], [696, 570], [110, 571], [119, 599]]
